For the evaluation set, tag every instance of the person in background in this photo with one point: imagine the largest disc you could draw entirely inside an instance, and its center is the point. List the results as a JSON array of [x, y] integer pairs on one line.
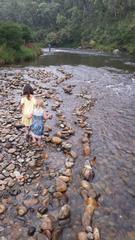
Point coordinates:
[[49, 46]]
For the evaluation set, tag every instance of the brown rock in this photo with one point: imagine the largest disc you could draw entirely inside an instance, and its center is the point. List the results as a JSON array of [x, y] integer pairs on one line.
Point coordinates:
[[64, 178], [61, 186], [86, 149], [82, 236], [1, 157], [56, 140], [85, 185], [47, 223], [2, 208], [21, 210], [12, 150], [64, 212], [96, 234], [30, 202], [73, 154]]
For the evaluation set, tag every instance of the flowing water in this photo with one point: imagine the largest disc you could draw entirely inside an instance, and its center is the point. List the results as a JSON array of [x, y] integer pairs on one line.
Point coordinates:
[[110, 80]]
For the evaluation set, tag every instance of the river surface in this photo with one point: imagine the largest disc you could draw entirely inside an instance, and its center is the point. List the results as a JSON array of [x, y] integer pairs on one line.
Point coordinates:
[[110, 80]]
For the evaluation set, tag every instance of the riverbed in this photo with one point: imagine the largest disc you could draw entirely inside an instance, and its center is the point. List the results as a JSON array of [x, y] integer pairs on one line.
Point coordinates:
[[108, 81]]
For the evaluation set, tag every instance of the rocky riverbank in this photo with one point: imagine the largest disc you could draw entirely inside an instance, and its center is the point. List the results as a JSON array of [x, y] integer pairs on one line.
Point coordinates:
[[42, 189]]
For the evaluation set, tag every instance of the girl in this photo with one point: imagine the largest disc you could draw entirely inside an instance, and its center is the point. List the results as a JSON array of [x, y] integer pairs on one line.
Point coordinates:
[[28, 102], [38, 117]]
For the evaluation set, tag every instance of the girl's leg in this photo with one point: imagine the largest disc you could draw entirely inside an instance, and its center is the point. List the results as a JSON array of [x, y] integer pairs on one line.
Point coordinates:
[[39, 141], [33, 139]]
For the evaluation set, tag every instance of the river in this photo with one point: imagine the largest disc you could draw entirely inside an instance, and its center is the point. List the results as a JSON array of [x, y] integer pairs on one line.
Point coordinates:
[[109, 79]]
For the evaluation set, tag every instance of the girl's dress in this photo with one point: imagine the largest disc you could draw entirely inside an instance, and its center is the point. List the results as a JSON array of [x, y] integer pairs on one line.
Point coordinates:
[[28, 107], [37, 127]]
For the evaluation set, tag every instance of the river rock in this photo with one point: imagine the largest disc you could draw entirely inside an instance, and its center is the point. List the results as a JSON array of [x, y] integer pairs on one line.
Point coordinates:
[[2, 208], [30, 202], [64, 179], [47, 223], [11, 150], [56, 140], [82, 236], [85, 185], [73, 154], [86, 149], [116, 51], [1, 157], [64, 212], [96, 234], [61, 186], [31, 231], [21, 210]]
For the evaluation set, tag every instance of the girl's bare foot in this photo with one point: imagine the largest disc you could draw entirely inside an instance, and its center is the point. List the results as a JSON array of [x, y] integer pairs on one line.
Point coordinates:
[[33, 140]]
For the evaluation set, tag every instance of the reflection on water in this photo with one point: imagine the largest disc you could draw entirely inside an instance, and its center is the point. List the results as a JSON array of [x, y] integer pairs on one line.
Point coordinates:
[[83, 57]]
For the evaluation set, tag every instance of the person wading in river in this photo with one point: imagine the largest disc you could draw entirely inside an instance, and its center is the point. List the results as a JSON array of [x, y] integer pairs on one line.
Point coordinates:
[[28, 102]]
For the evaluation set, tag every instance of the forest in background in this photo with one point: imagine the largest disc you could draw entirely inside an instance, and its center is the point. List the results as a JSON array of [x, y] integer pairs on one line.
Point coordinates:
[[101, 24]]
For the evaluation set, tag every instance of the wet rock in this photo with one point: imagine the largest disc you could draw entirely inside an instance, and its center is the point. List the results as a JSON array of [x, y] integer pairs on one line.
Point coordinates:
[[21, 210], [88, 172], [82, 236], [42, 210], [86, 149], [96, 234], [58, 195], [56, 140], [56, 234], [89, 229], [46, 201], [11, 150], [61, 186], [68, 172], [69, 164], [85, 185], [1, 157], [31, 231], [66, 146], [47, 223], [10, 167], [73, 154], [30, 202], [64, 179], [2, 208], [64, 212], [90, 236], [92, 204]]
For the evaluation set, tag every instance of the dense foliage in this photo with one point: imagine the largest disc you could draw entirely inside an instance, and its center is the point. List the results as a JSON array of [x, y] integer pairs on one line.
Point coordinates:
[[16, 43], [91, 23]]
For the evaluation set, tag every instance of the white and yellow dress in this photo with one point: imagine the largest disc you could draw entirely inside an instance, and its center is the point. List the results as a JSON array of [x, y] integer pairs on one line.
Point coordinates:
[[27, 109]]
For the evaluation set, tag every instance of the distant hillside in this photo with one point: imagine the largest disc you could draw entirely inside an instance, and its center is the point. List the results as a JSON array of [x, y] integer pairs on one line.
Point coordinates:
[[103, 24]]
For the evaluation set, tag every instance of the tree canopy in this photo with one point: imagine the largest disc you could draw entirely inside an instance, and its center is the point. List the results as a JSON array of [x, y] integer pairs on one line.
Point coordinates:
[[74, 22]]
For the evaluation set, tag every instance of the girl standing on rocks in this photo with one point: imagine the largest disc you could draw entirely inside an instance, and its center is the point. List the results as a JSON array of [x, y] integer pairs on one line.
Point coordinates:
[[38, 117], [28, 102]]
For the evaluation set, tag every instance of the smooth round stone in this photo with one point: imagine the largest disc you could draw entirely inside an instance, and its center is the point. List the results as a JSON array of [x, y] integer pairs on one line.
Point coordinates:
[[2, 208], [42, 210], [21, 210], [90, 236], [31, 231]]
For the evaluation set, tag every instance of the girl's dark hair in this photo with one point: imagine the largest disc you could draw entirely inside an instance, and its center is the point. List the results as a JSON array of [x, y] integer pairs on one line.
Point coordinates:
[[27, 91]]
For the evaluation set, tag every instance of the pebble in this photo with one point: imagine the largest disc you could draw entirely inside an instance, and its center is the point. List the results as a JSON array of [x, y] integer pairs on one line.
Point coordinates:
[[64, 212], [2, 208], [21, 210], [31, 231]]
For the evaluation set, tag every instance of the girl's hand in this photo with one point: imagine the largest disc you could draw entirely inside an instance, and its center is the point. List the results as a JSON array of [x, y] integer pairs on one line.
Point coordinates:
[[30, 116], [50, 116]]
